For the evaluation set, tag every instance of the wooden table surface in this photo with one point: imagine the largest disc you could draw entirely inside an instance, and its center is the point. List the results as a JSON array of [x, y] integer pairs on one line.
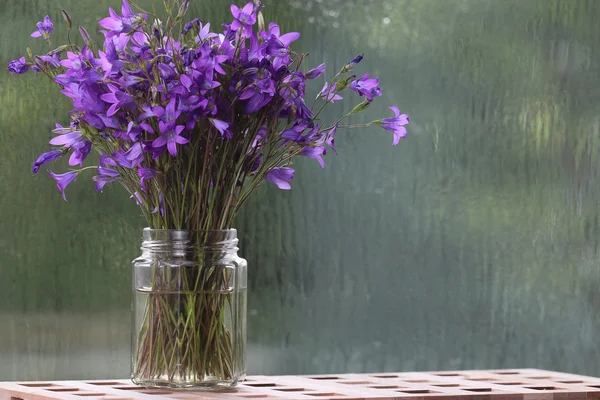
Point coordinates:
[[518, 384]]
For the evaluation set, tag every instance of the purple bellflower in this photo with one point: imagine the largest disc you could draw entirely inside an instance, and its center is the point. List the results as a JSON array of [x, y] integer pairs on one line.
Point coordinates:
[[316, 72], [46, 158], [259, 92], [80, 152], [328, 93], [145, 174], [117, 99], [19, 66], [121, 24], [244, 18], [64, 180], [222, 127], [171, 136], [277, 45], [316, 153], [44, 29], [395, 124], [366, 87], [281, 177], [352, 63], [260, 137], [52, 60], [105, 175], [151, 102], [191, 24]]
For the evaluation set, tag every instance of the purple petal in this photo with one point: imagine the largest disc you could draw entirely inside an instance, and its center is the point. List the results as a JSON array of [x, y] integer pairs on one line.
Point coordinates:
[[235, 11], [289, 38], [247, 93], [181, 140], [255, 103], [112, 110], [220, 125], [158, 111], [399, 134], [68, 139], [163, 128], [146, 127], [172, 147], [160, 141], [126, 9], [170, 110], [186, 81], [248, 8], [113, 13], [314, 152], [105, 160], [111, 24], [109, 98], [274, 29]]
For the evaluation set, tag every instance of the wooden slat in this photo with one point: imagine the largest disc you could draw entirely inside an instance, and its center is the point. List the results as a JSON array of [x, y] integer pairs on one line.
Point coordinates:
[[520, 384]]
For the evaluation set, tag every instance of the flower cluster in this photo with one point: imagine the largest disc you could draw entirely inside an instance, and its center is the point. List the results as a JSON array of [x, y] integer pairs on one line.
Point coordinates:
[[190, 120]]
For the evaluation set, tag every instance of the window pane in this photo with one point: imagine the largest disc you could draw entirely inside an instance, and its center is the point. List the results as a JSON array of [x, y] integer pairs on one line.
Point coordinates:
[[472, 244]]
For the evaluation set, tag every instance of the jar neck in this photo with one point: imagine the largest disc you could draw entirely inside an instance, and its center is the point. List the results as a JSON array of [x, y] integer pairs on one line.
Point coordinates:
[[160, 241]]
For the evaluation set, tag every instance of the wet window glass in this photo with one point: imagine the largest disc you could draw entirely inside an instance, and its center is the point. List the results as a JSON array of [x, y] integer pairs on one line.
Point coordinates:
[[471, 244]]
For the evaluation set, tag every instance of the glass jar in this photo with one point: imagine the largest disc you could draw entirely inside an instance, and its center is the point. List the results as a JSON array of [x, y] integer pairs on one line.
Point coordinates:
[[189, 310]]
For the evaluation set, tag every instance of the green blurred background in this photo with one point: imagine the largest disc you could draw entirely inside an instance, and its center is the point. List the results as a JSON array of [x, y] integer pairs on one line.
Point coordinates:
[[472, 244]]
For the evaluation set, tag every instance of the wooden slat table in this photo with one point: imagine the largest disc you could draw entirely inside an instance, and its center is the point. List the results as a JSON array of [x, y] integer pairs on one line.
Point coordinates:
[[519, 384]]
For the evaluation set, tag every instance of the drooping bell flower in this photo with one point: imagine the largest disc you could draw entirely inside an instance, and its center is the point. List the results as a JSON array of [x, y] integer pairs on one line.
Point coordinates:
[[281, 177], [46, 158], [64, 180], [105, 175], [395, 124]]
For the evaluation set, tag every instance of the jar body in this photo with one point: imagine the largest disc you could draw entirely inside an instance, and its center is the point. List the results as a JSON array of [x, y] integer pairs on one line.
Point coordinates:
[[189, 310]]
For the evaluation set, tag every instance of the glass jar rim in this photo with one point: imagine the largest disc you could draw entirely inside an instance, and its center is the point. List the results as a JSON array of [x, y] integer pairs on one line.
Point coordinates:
[[151, 230], [208, 237]]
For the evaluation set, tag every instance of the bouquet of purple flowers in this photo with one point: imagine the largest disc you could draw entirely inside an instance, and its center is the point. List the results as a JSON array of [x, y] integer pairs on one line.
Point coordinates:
[[191, 121]]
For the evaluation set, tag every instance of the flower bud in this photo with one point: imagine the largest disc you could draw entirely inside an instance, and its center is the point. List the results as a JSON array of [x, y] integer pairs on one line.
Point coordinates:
[[37, 60], [58, 50], [261, 21], [157, 29], [292, 114], [29, 53], [67, 18], [167, 4], [182, 10], [352, 63], [85, 35], [361, 107], [344, 83]]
